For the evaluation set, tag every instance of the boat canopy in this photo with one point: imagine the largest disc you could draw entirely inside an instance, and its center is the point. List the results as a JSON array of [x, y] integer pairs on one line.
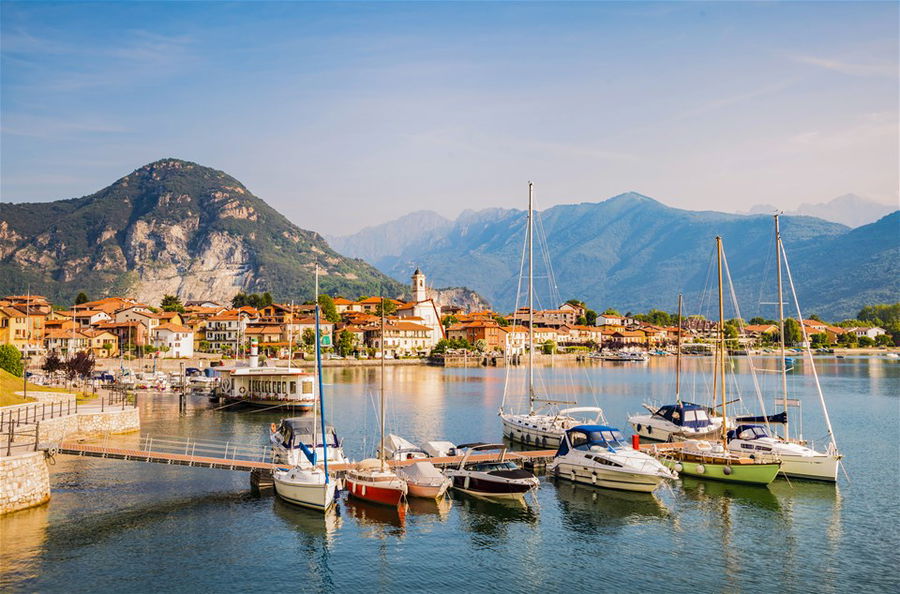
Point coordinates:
[[747, 432], [421, 471], [780, 418], [299, 430], [589, 437], [685, 414]]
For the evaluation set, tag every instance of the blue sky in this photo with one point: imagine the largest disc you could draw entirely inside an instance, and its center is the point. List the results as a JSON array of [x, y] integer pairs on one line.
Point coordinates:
[[342, 115]]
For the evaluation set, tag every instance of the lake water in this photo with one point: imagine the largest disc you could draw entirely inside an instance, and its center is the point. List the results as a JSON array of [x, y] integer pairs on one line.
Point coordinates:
[[127, 526]]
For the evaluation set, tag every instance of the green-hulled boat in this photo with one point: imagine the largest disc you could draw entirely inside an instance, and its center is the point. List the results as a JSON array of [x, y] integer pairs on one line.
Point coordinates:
[[706, 460]]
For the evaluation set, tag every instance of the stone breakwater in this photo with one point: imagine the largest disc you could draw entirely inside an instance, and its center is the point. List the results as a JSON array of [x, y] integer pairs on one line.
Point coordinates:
[[24, 481]]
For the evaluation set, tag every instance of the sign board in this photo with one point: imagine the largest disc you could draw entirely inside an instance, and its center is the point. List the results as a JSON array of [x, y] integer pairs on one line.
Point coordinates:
[[326, 340]]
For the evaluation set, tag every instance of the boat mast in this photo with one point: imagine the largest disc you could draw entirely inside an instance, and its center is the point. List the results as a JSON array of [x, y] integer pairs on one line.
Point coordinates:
[[784, 400], [381, 419], [721, 337], [530, 299], [319, 374], [678, 357], [291, 323]]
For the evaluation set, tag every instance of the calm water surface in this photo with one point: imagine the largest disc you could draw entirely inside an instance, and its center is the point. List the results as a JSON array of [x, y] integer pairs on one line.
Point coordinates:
[[115, 525]]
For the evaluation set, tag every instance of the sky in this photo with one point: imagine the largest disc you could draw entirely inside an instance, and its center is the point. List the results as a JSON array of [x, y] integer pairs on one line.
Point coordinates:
[[342, 115]]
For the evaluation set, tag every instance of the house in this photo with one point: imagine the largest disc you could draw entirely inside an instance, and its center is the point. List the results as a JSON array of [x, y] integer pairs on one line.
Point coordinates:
[[577, 310], [66, 342], [493, 335], [370, 304], [516, 339], [102, 343], [203, 304], [225, 331], [178, 339], [14, 327], [872, 332], [85, 318], [567, 316], [401, 338], [614, 321], [110, 305], [138, 314], [170, 317], [128, 334], [342, 304]]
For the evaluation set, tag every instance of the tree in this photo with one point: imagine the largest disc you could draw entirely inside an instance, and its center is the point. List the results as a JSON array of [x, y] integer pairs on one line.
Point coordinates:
[[265, 300], [866, 341], [549, 347], [309, 339], [81, 298], [884, 340], [449, 320], [581, 321], [501, 320], [329, 310], [171, 303], [815, 317], [591, 317], [52, 362], [611, 312], [818, 340], [80, 364], [387, 306], [758, 321], [848, 339], [792, 333], [480, 345], [11, 360], [345, 343]]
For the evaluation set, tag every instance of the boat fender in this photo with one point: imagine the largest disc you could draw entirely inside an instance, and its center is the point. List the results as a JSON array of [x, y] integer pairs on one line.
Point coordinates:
[[727, 470], [649, 430], [639, 427], [466, 484], [242, 390], [679, 467], [701, 469], [273, 427], [594, 478]]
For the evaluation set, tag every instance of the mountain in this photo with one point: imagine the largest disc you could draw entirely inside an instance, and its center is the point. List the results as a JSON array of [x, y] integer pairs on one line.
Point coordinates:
[[849, 209], [171, 227], [634, 253], [377, 242]]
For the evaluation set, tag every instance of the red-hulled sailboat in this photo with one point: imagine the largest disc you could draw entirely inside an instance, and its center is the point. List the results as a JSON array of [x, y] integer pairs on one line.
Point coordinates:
[[372, 479]]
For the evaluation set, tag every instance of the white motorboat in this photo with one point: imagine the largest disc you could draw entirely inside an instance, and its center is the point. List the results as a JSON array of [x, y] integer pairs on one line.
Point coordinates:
[[398, 448], [598, 455], [491, 479], [676, 422]]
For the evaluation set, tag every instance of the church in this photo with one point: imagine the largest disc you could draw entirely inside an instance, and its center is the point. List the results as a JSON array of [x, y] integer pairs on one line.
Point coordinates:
[[421, 309]]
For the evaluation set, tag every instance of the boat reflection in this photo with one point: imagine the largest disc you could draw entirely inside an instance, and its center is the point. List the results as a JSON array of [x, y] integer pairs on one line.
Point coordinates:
[[313, 524], [751, 495], [590, 510], [492, 517], [381, 520], [429, 507]]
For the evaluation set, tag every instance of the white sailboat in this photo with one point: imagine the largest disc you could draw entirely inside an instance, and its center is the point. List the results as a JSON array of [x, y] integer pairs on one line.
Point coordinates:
[[307, 484], [754, 435], [543, 425]]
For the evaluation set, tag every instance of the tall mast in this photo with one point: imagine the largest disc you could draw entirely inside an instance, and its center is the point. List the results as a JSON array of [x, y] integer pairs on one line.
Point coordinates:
[[721, 336], [291, 322], [678, 357], [321, 394], [381, 448], [781, 324], [530, 298]]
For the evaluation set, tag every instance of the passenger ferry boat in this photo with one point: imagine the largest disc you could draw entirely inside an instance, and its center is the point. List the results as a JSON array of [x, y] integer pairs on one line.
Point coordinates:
[[268, 387]]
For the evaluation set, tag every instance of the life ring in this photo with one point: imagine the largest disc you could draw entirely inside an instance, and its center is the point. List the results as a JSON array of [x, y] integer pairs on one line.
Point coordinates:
[[701, 469], [273, 427], [727, 470], [679, 467], [242, 390]]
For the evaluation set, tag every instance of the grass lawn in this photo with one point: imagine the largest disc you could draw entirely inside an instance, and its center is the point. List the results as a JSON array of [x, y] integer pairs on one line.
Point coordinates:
[[10, 384]]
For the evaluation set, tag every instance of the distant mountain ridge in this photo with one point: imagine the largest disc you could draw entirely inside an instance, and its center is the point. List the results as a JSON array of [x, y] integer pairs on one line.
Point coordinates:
[[849, 209], [175, 227], [634, 253]]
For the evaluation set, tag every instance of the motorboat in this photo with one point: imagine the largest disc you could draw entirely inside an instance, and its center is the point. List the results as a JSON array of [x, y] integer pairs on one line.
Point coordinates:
[[295, 433], [398, 448], [624, 356], [599, 455], [676, 422], [546, 430], [372, 479], [797, 460], [491, 479], [424, 480]]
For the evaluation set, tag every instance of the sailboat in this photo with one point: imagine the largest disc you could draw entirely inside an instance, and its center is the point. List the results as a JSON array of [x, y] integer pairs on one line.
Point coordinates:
[[678, 421], [712, 460], [306, 484], [540, 427], [755, 437], [372, 479]]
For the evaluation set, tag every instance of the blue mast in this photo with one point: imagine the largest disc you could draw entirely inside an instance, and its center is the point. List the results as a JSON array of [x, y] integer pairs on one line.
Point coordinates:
[[319, 374]]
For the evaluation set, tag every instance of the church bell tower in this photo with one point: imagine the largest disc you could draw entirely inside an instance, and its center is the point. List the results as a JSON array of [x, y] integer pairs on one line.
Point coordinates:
[[418, 286]]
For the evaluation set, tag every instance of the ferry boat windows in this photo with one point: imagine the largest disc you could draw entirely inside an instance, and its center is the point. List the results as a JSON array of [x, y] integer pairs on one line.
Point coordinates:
[[293, 388], [307, 387]]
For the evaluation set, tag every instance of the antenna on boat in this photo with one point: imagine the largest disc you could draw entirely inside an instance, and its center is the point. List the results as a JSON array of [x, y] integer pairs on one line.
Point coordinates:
[[321, 396], [678, 357], [530, 298]]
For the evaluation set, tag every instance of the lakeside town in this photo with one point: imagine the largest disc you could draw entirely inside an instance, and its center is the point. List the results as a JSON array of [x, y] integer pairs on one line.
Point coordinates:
[[121, 327]]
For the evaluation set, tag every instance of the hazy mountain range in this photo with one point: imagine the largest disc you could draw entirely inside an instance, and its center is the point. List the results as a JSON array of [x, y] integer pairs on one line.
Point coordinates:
[[633, 253], [849, 209]]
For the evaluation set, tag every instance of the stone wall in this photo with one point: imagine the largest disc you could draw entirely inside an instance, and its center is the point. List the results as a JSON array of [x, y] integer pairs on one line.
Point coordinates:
[[111, 421], [24, 481], [56, 430]]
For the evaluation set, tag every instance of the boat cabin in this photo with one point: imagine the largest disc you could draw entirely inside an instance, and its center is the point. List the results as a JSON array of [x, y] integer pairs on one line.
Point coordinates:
[[296, 431], [748, 432], [270, 384], [685, 414], [591, 438]]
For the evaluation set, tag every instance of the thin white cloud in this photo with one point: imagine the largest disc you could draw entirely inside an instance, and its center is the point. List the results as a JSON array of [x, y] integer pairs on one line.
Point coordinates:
[[885, 69]]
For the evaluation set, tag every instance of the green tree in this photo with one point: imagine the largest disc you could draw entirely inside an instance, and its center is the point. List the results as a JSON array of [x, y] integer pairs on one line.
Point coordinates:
[[309, 339], [449, 320], [591, 317], [265, 300], [815, 317], [501, 320], [866, 341], [345, 343], [792, 332], [611, 312], [11, 359], [329, 310], [884, 340], [581, 321], [758, 321], [171, 303], [81, 298], [818, 340], [848, 339], [549, 347], [480, 345], [387, 306]]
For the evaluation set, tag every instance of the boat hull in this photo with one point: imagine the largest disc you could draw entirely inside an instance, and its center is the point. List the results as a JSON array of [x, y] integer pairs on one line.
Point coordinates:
[[426, 491], [296, 405], [530, 436], [318, 496], [750, 474], [609, 479], [813, 468], [663, 434], [488, 489], [374, 493]]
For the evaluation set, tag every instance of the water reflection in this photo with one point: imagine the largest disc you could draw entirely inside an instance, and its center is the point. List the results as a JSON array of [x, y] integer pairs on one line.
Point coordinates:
[[483, 517], [714, 491], [437, 509], [379, 521], [22, 538], [595, 510]]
